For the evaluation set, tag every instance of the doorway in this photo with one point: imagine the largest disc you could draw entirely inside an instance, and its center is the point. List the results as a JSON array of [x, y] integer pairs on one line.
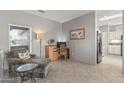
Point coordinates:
[[109, 24]]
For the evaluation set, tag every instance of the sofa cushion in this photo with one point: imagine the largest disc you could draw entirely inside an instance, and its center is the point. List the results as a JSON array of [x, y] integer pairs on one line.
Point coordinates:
[[24, 55], [12, 54]]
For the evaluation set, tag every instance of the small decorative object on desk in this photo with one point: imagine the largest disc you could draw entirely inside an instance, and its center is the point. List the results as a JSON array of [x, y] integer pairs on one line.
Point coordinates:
[[51, 41]]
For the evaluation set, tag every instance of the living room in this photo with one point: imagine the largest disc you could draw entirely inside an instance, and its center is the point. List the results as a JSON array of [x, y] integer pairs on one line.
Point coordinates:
[[41, 29], [82, 50]]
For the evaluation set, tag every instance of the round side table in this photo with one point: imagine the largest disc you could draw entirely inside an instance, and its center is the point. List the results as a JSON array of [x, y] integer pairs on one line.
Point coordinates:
[[26, 72]]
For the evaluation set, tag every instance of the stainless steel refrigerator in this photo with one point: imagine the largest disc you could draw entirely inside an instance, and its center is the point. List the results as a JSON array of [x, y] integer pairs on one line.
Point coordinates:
[[99, 47]]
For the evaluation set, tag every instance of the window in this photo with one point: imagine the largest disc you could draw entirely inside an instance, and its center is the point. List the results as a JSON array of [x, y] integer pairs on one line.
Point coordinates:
[[20, 38]]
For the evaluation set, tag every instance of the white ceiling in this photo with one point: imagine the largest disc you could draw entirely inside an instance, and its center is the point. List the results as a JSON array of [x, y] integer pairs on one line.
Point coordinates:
[[102, 13], [59, 15], [114, 21]]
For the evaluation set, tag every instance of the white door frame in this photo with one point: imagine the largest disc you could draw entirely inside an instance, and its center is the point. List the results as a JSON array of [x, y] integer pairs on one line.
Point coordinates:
[[122, 39]]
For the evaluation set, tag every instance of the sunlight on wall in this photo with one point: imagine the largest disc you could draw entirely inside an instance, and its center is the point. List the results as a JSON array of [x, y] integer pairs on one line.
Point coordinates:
[[62, 39]]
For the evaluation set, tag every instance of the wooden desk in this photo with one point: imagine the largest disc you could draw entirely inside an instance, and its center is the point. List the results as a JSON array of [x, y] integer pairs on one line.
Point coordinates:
[[68, 53], [51, 52]]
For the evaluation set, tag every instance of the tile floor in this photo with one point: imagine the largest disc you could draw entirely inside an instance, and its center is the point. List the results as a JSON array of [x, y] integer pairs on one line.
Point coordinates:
[[109, 71]]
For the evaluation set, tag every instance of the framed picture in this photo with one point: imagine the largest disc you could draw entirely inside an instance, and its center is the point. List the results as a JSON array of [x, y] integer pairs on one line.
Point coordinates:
[[77, 34]]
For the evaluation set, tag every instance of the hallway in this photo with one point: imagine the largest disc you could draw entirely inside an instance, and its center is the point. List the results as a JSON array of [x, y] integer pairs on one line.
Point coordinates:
[[114, 60]]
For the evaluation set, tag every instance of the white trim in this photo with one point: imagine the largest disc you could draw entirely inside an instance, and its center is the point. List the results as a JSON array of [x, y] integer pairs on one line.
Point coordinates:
[[96, 28], [30, 29], [110, 17], [31, 40], [123, 42]]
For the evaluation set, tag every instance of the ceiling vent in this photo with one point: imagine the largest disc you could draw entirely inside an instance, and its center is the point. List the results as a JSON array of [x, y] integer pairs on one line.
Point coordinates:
[[41, 11]]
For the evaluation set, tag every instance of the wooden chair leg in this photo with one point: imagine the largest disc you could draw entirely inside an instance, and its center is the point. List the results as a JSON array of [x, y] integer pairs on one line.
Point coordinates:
[[65, 57]]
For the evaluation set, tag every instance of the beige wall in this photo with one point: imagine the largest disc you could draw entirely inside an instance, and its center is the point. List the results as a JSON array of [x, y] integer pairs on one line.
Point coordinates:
[[83, 50], [50, 28]]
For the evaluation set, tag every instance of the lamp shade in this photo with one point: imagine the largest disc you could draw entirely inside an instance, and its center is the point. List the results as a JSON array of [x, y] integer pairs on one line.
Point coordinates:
[[39, 35]]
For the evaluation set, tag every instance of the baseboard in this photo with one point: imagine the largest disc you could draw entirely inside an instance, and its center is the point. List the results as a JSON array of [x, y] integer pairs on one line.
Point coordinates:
[[89, 63]]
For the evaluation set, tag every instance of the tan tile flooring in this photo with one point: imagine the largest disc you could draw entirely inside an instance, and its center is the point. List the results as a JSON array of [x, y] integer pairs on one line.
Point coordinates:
[[109, 71]]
